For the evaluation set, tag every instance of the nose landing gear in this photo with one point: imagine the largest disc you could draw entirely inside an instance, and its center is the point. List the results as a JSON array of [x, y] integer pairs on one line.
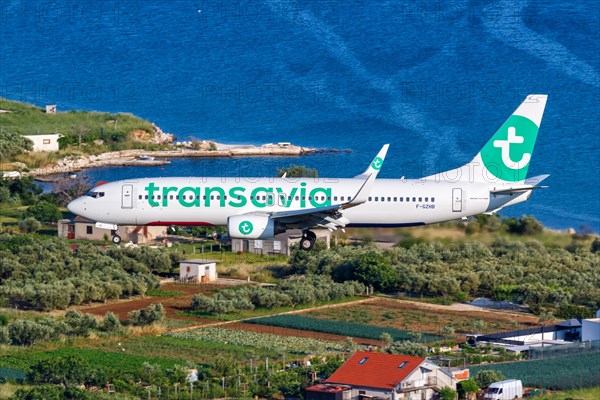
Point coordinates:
[[308, 240], [116, 239]]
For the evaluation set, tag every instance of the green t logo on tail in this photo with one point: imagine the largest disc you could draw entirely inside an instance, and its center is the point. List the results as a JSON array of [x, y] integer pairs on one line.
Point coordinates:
[[508, 153], [377, 163], [246, 227]]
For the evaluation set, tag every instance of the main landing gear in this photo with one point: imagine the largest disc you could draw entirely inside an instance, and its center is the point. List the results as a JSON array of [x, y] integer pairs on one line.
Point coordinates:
[[308, 240], [116, 239]]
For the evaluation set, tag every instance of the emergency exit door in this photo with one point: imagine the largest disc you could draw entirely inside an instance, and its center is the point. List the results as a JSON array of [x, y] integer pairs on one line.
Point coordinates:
[[127, 196], [456, 200]]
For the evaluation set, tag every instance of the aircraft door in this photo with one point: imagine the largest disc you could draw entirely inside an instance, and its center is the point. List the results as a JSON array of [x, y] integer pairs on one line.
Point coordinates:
[[281, 199], [457, 200], [270, 199], [127, 196]]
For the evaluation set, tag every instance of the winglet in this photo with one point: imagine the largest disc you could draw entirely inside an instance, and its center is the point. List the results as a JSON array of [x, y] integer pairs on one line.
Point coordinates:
[[376, 164], [369, 177]]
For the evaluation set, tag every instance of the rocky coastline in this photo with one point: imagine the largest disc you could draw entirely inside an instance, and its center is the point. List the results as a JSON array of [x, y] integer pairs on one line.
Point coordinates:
[[139, 157]]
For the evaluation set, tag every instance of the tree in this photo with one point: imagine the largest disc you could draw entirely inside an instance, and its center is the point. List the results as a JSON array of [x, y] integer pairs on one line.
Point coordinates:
[[387, 340], [13, 144], [46, 392], [26, 333], [67, 371], [111, 323], [486, 377], [465, 388], [67, 189], [447, 393], [4, 335], [407, 348], [147, 316], [43, 211], [349, 345], [297, 171], [375, 269]]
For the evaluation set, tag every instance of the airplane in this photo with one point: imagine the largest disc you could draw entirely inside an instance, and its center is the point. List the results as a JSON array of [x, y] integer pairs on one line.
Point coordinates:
[[260, 208]]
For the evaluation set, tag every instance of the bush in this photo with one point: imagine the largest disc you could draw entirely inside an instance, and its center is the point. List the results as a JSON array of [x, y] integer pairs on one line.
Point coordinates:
[[43, 211], [147, 316], [80, 324], [447, 393], [111, 323], [484, 378], [30, 225]]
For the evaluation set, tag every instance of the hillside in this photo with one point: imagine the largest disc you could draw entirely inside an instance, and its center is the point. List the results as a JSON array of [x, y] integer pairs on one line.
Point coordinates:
[[28, 119]]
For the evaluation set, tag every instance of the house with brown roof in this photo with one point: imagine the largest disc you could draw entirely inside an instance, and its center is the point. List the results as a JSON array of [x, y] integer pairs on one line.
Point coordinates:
[[384, 376]]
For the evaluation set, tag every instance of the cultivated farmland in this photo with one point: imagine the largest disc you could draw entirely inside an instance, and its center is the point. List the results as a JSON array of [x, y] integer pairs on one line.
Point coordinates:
[[261, 340], [567, 372], [341, 328], [423, 317]]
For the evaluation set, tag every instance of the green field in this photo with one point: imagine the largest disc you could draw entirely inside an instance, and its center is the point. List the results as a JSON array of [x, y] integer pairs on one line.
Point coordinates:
[[560, 373], [31, 120], [342, 328]]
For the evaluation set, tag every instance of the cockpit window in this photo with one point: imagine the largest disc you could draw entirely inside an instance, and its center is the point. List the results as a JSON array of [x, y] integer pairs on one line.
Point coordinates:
[[95, 194]]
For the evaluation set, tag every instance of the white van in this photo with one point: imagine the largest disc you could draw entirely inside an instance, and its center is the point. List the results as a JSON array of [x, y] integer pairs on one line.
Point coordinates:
[[505, 390]]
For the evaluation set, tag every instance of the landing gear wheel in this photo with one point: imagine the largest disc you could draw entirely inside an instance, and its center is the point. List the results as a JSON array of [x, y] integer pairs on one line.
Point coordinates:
[[308, 240], [116, 239]]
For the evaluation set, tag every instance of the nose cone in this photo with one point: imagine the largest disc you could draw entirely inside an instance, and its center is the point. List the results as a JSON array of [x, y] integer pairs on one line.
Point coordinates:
[[76, 206]]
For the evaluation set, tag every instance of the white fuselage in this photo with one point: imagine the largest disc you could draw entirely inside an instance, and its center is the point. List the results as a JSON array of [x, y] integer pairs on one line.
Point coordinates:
[[211, 201]]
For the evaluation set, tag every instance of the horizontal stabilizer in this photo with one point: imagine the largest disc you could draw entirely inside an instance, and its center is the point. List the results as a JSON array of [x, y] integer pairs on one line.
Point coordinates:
[[517, 189]]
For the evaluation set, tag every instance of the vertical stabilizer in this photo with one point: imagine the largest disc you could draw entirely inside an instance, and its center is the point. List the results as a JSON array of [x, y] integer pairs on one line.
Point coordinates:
[[507, 155]]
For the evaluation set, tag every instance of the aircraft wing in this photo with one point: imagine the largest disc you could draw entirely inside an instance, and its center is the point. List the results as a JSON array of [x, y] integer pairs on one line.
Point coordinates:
[[331, 217]]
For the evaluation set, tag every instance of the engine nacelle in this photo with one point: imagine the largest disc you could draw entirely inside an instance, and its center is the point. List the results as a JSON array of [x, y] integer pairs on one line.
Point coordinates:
[[253, 226]]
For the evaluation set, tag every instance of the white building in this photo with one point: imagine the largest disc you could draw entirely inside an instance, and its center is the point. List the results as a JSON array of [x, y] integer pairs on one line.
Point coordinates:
[[590, 329], [45, 142], [197, 270]]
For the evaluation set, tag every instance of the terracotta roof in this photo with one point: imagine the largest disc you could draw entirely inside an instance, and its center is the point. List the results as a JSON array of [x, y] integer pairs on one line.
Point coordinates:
[[375, 370]]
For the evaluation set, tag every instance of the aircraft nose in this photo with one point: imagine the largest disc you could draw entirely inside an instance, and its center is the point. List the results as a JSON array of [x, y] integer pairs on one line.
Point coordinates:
[[76, 206]]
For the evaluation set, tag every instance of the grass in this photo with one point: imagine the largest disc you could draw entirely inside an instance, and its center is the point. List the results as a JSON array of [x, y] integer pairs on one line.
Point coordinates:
[[574, 394], [8, 389], [81, 128], [28, 119]]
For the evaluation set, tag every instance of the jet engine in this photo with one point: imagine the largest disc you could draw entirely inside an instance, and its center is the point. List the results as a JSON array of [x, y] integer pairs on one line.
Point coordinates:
[[253, 226]]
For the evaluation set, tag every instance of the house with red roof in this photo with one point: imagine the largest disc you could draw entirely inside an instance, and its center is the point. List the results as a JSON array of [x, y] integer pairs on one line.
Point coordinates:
[[385, 376]]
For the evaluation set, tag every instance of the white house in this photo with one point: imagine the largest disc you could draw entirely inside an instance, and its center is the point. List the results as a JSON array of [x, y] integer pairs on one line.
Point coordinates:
[[386, 376], [197, 270], [590, 329], [45, 142]]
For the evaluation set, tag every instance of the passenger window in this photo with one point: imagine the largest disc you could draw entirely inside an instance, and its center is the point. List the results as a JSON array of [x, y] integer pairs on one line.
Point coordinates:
[[420, 199], [146, 197], [414, 199], [334, 198], [401, 199], [433, 199], [140, 197], [389, 199], [426, 199], [370, 199], [395, 199]]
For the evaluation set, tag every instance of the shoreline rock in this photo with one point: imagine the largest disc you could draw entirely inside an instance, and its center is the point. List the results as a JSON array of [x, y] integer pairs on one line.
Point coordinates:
[[132, 157]]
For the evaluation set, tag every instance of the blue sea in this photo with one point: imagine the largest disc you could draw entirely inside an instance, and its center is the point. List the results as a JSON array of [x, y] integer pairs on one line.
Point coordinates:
[[433, 79]]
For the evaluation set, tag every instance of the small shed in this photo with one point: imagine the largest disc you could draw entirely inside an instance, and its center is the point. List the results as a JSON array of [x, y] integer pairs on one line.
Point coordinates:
[[197, 270]]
